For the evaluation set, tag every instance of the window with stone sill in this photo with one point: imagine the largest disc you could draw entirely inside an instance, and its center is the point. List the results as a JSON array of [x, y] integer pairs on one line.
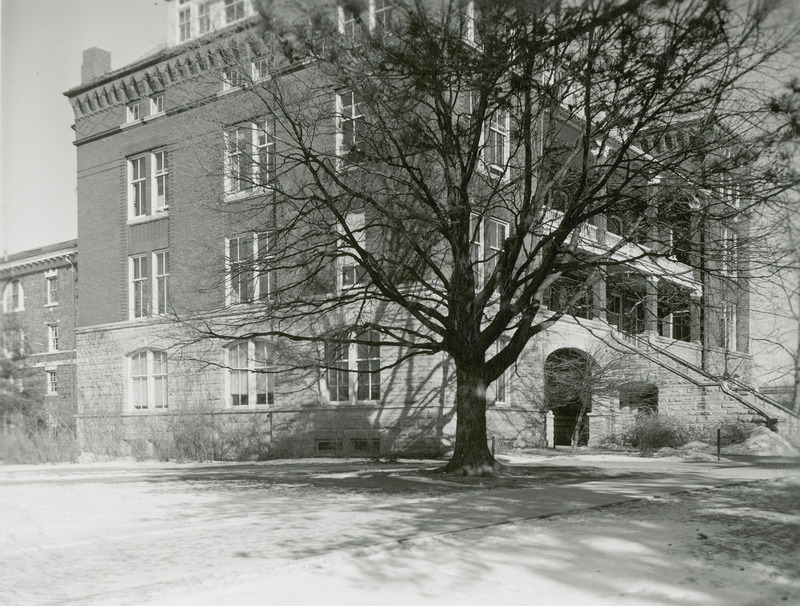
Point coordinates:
[[249, 381], [148, 380]]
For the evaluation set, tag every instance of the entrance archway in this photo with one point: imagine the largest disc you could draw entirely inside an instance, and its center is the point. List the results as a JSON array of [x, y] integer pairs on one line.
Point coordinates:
[[568, 389]]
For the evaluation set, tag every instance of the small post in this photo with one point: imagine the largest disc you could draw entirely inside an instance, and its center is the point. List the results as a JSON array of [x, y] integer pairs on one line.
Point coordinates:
[[719, 441], [492, 445]]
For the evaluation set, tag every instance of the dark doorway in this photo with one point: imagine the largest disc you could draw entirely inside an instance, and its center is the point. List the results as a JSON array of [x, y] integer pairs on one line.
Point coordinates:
[[569, 395]]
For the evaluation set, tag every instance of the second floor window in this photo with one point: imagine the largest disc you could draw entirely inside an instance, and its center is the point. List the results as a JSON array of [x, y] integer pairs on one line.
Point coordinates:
[[52, 337], [487, 237], [248, 271], [160, 281], [139, 292], [496, 143], [184, 25]]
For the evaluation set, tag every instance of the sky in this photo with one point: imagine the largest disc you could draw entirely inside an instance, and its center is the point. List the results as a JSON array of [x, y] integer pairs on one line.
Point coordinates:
[[41, 46]]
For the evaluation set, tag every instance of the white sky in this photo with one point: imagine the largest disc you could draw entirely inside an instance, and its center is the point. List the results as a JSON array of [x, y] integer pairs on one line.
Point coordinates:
[[42, 43]]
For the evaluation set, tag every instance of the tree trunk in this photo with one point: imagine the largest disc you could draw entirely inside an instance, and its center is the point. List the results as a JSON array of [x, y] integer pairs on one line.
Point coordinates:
[[472, 455]]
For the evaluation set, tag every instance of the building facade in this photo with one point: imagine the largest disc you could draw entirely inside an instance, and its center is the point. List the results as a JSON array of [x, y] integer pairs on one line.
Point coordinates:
[[160, 158], [37, 326]]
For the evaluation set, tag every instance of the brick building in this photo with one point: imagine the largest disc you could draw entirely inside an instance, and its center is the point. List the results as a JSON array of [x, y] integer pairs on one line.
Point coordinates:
[[37, 325], [159, 159]]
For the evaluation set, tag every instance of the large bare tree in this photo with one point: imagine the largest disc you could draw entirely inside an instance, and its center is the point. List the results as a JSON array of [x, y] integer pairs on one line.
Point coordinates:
[[438, 169]]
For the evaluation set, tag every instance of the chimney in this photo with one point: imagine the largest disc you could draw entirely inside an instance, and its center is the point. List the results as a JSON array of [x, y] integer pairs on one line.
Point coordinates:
[[96, 62]]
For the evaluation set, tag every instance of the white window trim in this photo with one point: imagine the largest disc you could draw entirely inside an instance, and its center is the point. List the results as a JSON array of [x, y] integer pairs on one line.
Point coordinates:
[[151, 377], [154, 111], [257, 74], [253, 365], [229, 76], [245, 12], [156, 207], [51, 379], [132, 216], [149, 181], [356, 115], [200, 7], [181, 23], [264, 125]]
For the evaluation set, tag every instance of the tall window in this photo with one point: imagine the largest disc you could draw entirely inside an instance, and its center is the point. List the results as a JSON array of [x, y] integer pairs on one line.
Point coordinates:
[[234, 10], [184, 25], [13, 297], [248, 268], [496, 150], [264, 140], [484, 257], [338, 375], [52, 337], [139, 286], [160, 174], [728, 326], [51, 285], [350, 123], [348, 23], [368, 360], [501, 395], [238, 159], [51, 377], [249, 380], [148, 380], [350, 273], [381, 14], [160, 281], [204, 18], [730, 253], [138, 186]]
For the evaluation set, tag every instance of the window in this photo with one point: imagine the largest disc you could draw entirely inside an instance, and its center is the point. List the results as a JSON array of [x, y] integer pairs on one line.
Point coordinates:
[[350, 272], [234, 10], [484, 258], [133, 112], [160, 174], [13, 297], [148, 380], [350, 124], [728, 326], [51, 290], [139, 293], [231, 78], [368, 360], [260, 69], [204, 18], [138, 186], [52, 337], [381, 14], [249, 157], [157, 104], [338, 375], [184, 25], [249, 381], [358, 362], [730, 253], [496, 150], [248, 268], [52, 382], [348, 23], [160, 281], [501, 395]]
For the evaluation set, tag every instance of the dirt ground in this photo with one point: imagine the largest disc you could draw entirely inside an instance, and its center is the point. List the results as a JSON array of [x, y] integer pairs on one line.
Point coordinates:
[[561, 530]]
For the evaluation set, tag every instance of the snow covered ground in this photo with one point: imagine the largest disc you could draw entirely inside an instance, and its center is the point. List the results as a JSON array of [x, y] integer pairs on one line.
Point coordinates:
[[311, 532]]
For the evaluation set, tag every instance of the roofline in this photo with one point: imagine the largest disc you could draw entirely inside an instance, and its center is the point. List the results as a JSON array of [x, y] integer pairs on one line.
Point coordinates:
[[38, 256]]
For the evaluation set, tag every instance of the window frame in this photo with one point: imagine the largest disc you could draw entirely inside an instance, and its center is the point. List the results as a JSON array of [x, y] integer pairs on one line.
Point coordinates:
[[502, 385], [184, 24], [157, 104], [346, 263], [133, 112], [355, 117], [349, 373], [245, 144], [203, 18], [250, 369], [159, 202], [235, 6], [51, 288], [148, 375], [231, 79], [256, 269], [259, 68], [138, 196]]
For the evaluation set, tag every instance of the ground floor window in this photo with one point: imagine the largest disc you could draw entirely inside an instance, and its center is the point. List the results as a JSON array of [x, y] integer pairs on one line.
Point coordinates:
[[249, 379], [148, 379], [353, 366]]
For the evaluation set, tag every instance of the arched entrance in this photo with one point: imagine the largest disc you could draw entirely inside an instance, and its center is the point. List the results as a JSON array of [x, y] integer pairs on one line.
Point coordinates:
[[568, 389]]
